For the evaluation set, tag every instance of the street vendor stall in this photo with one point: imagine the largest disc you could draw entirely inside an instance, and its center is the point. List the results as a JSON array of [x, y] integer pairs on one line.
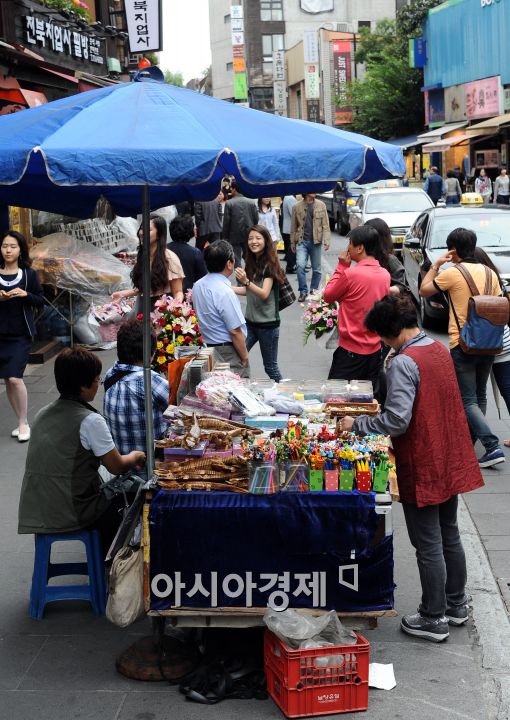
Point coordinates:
[[286, 517]]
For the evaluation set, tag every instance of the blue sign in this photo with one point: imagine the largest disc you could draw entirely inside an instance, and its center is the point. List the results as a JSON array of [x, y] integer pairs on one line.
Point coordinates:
[[417, 52]]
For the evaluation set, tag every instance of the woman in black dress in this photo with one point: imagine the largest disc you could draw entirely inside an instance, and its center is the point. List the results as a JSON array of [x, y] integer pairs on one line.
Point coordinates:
[[20, 291]]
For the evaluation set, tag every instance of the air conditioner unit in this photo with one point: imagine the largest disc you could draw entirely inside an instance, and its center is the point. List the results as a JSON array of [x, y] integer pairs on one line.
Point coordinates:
[[341, 27]]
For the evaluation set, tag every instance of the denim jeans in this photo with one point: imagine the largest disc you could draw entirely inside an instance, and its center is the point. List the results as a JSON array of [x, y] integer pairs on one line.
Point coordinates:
[[472, 373], [307, 249], [501, 372], [267, 338], [434, 534]]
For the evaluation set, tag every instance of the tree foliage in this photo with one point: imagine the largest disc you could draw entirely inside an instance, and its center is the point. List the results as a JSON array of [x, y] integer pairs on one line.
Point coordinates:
[[388, 102], [174, 78]]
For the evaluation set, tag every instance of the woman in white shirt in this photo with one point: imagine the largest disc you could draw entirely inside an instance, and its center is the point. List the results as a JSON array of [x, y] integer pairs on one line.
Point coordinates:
[[483, 185], [268, 218]]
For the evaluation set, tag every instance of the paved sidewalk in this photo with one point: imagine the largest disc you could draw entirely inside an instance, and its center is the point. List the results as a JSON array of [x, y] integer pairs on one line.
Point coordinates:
[[64, 666]]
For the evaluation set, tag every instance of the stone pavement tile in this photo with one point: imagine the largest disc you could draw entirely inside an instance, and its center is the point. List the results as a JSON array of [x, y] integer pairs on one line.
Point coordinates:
[[500, 563], [488, 503], [496, 481], [78, 663], [496, 542], [60, 706], [171, 704], [17, 653], [491, 523]]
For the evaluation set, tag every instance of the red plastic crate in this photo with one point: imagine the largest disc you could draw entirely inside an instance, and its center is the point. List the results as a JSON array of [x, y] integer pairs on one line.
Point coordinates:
[[303, 684]]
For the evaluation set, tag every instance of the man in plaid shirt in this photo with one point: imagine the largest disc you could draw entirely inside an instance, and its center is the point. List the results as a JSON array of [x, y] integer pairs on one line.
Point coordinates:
[[124, 407]]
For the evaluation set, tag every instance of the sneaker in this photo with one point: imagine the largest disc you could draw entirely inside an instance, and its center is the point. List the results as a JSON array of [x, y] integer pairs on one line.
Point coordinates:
[[433, 629], [291, 271], [302, 297], [15, 432], [314, 295], [457, 615], [492, 458]]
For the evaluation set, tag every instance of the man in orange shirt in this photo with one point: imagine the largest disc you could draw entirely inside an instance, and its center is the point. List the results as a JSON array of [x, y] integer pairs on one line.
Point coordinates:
[[472, 370], [356, 288]]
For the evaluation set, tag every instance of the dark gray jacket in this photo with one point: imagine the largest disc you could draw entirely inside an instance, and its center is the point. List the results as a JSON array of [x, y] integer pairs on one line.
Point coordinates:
[[208, 217], [239, 216]]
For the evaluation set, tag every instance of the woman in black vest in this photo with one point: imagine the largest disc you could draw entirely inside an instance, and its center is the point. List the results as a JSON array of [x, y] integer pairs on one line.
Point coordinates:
[[20, 292]]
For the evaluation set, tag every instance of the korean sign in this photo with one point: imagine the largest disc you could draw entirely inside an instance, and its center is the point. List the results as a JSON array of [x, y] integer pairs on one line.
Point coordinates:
[[52, 36], [310, 46], [342, 78], [312, 90], [482, 98], [280, 97], [144, 25]]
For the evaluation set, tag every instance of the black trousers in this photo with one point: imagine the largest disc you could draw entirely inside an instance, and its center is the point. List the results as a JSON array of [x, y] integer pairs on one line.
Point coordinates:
[[290, 257], [347, 365]]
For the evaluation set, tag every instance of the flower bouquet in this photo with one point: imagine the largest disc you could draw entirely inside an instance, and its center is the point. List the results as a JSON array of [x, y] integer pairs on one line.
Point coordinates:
[[319, 318], [109, 316], [176, 325]]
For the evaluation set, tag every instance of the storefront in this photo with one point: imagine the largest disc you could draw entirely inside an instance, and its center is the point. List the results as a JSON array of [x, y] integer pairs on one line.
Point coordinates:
[[468, 81]]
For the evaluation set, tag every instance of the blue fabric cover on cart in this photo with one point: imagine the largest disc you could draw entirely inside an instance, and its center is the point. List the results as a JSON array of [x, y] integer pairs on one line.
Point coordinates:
[[194, 532]]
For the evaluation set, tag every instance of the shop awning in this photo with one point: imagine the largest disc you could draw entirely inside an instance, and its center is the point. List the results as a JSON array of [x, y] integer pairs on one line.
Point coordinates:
[[64, 76], [405, 142], [12, 92], [490, 126], [440, 132], [447, 143]]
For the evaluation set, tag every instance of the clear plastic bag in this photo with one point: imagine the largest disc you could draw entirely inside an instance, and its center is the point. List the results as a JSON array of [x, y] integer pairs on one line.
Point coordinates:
[[304, 631]]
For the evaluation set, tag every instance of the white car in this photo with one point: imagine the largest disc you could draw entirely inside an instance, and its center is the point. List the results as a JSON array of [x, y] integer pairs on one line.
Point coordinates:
[[398, 207]]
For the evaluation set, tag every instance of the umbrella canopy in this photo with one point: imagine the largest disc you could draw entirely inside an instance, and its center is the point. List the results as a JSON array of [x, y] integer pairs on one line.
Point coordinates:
[[147, 144], [64, 155]]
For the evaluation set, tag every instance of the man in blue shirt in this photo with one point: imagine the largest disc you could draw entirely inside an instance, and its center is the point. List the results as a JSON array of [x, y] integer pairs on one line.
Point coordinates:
[[124, 397], [218, 309]]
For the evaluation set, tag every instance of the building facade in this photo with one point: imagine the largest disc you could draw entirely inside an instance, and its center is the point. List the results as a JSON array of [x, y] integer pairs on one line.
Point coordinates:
[[467, 83], [272, 25]]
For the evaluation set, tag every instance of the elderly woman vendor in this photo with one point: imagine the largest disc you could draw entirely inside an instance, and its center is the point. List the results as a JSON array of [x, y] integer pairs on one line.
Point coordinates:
[[435, 461], [69, 441]]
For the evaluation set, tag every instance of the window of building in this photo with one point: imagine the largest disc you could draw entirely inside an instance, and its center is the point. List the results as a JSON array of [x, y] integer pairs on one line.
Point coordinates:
[[230, 66], [261, 98], [270, 43], [364, 23], [299, 106], [226, 18], [271, 9]]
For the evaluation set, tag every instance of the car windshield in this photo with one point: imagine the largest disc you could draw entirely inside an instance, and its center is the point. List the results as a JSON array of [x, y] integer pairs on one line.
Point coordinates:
[[399, 202], [492, 230]]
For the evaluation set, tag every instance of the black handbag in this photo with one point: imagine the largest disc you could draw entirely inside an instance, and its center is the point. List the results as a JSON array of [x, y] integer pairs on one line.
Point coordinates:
[[286, 295]]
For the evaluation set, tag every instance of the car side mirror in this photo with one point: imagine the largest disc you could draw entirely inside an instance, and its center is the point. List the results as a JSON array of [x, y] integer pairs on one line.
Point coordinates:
[[354, 210], [413, 243]]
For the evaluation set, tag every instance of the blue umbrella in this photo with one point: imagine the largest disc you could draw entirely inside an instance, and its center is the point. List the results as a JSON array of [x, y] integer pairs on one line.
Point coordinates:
[[147, 144], [64, 155]]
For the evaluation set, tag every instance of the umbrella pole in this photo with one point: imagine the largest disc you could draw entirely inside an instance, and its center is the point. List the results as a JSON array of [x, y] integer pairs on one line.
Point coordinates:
[[146, 309]]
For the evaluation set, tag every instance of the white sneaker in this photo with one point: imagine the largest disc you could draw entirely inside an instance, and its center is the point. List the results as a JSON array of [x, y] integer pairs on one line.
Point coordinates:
[[15, 432]]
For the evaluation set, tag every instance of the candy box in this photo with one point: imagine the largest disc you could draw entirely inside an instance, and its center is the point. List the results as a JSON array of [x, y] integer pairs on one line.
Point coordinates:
[[316, 480], [364, 480], [331, 480], [346, 480], [380, 479]]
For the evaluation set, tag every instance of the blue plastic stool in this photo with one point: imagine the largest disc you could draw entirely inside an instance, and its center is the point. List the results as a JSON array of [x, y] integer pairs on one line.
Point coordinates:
[[42, 593]]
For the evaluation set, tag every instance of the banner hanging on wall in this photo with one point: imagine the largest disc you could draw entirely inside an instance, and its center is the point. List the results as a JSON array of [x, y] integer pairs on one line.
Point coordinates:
[[144, 25], [341, 81]]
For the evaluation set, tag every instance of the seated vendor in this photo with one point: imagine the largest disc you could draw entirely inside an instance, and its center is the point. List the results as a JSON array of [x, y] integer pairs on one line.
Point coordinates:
[[69, 441], [124, 393]]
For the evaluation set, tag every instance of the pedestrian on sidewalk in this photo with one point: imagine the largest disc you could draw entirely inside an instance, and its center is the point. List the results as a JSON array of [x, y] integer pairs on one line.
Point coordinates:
[[218, 309], [472, 370], [290, 256], [20, 292], [356, 289], [309, 232], [268, 218], [483, 185], [260, 283], [182, 229], [435, 186], [502, 188], [435, 461], [70, 440], [239, 215], [208, 219]]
